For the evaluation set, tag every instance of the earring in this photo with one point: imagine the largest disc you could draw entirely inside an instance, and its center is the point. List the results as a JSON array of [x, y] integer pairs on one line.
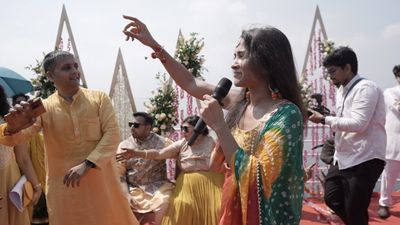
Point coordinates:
[[275, 93], [247, 95]]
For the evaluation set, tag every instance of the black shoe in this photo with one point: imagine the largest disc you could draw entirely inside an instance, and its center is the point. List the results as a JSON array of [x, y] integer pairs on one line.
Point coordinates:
[[383, 212]]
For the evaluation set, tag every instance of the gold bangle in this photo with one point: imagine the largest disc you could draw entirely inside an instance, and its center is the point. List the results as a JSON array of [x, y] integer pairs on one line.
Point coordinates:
[[7, 132]]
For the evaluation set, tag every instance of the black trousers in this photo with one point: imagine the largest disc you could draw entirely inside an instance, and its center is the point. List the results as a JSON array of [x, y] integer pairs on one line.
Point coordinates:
[[348, 192]]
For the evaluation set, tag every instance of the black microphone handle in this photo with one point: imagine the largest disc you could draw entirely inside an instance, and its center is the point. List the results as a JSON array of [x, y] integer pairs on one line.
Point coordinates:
[[221, 90], [197, 130], [193, 138]]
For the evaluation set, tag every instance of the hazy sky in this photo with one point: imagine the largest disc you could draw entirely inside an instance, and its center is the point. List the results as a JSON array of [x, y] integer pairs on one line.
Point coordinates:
[[29, 28]]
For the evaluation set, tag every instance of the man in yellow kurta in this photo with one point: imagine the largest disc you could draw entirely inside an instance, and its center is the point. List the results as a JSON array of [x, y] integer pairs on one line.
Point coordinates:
[[81, 136]]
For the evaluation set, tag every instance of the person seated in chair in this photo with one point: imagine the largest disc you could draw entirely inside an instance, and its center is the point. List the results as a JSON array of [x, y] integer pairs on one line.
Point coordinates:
[[145, 180], [196, 198]]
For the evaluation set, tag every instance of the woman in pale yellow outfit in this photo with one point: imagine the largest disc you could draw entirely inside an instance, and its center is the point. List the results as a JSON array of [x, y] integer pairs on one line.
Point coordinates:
[[9, 173], [10, 164], [196, 198], [36, 153], [35, 145]]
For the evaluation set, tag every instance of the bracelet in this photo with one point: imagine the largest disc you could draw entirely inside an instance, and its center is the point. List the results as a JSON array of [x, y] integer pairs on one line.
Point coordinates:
[[37, 186], [90, 164], [7, 132], [323, 120], [145, 154], [158, 50]]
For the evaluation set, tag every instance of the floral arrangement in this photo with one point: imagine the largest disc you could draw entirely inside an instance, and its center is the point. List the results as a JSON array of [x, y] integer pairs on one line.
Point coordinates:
[[305, 90], [187, 53], [162, 106], [41, 84], [326, 48]]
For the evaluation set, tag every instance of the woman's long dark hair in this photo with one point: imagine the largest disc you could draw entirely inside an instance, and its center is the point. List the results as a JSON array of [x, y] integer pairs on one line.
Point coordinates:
[[270, 55], [192, 120], [4, 106]]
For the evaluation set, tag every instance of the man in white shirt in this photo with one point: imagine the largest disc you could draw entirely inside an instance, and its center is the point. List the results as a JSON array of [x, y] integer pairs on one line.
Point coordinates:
[[360, 138], [392, 125]]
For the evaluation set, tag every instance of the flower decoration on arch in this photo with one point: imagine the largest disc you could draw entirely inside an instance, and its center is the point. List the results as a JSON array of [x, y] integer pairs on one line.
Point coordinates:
[[162, 106], [326, 48], [188, 54]]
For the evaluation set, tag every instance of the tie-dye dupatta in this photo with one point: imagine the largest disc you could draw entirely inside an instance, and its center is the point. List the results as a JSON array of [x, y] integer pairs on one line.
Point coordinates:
[[266, 186]]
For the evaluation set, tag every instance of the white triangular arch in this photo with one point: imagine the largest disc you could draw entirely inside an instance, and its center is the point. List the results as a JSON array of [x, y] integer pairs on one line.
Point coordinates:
[[316, 134], [317, 19], [313, 68], [122, 97]]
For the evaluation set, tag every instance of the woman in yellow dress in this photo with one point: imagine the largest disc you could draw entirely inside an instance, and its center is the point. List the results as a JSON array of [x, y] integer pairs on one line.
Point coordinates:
[[11, 161], [36, 154], [196, 198]]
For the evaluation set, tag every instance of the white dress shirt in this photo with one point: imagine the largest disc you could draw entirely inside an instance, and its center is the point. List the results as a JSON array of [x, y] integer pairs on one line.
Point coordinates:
[[392, 125], [359, 127]]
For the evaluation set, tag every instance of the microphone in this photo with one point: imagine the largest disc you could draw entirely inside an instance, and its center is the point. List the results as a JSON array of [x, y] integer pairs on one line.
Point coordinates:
[[222, 89]]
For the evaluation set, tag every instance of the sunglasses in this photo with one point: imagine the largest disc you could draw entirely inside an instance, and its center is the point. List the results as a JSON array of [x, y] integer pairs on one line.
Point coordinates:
[[134, 124], [185, 129]]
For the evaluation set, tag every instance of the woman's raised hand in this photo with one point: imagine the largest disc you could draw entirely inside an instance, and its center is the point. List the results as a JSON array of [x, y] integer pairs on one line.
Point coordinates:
[[124, 155], [138, 30]]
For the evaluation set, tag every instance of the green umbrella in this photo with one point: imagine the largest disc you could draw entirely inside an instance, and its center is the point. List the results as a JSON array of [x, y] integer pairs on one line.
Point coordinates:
[[13, 83]]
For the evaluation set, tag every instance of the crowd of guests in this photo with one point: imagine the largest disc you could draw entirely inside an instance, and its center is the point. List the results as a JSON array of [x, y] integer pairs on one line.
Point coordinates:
[[250, 172]]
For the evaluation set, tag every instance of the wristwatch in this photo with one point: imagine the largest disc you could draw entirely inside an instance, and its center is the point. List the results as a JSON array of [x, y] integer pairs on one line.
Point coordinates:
[[89, 164]]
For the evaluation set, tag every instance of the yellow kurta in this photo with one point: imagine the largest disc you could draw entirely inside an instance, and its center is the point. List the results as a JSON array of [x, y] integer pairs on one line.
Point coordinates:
[[9, 175], [36, 148], [84, 129]]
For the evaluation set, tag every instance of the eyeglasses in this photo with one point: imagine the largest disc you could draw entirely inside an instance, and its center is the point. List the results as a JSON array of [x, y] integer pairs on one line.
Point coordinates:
[[134, 124], [331, 71], [185, 129]]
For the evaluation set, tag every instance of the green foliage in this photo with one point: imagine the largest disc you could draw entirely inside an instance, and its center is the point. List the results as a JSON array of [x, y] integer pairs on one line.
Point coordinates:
[[188, 54], [162, 106], [41, 84]]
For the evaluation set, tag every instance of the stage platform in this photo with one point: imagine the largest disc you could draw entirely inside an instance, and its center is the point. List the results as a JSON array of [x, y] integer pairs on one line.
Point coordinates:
[[316, 212]]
